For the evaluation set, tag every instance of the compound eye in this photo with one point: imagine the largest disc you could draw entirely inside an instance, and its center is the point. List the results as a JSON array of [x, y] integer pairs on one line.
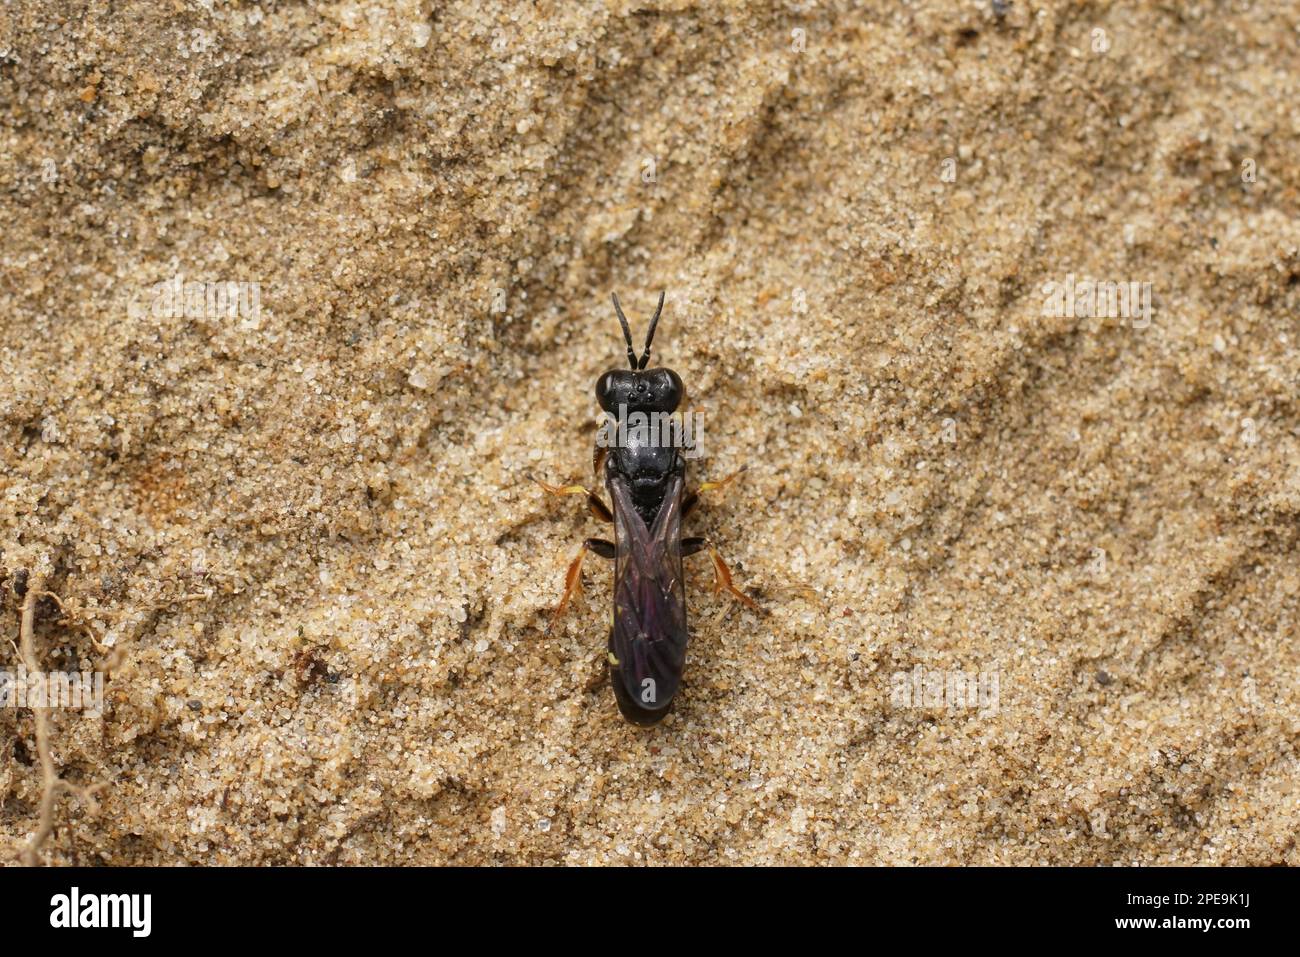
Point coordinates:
[[607, 389], [672, 389]]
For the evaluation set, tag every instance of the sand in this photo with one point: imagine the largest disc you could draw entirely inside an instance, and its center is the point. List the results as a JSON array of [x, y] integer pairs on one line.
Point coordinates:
[[295, 534]]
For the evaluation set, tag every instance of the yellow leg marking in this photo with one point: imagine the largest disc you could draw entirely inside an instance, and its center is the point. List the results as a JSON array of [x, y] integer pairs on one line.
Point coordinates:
[[558, 490], [710, 486], [594, 504]]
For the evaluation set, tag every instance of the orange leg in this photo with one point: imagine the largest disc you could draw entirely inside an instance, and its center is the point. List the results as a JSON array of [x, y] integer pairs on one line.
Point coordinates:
[[721, 573], [573, 577]]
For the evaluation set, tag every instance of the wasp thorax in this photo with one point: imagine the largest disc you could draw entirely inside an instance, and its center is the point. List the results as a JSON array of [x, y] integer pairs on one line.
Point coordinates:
[[643, 390]]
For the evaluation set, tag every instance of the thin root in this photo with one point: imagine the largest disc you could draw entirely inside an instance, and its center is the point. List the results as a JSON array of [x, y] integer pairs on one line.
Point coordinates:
[[51, 783]]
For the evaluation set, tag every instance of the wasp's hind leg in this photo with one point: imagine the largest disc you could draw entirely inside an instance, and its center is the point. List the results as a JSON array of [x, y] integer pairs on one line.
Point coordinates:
[[693, 498], [598, 508], [573, 577], [721, 573]]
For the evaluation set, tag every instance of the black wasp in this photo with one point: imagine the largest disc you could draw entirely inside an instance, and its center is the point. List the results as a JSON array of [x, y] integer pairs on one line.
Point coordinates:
[[645, 475]]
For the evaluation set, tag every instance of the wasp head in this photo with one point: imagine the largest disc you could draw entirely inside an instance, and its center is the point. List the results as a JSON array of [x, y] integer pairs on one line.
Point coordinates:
[[639, 390]]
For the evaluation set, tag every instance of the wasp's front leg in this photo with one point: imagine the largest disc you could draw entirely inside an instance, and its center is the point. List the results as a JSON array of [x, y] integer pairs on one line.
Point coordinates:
[[573, 577], [693, 498], [598, 508], [721, 573]]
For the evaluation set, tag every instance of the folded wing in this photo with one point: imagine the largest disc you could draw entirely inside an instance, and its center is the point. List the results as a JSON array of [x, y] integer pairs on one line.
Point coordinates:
[[649, 631]]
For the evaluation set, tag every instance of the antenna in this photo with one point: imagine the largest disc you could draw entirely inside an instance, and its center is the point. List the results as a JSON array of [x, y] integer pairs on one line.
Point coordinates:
[[645, 356], [627, 330]]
